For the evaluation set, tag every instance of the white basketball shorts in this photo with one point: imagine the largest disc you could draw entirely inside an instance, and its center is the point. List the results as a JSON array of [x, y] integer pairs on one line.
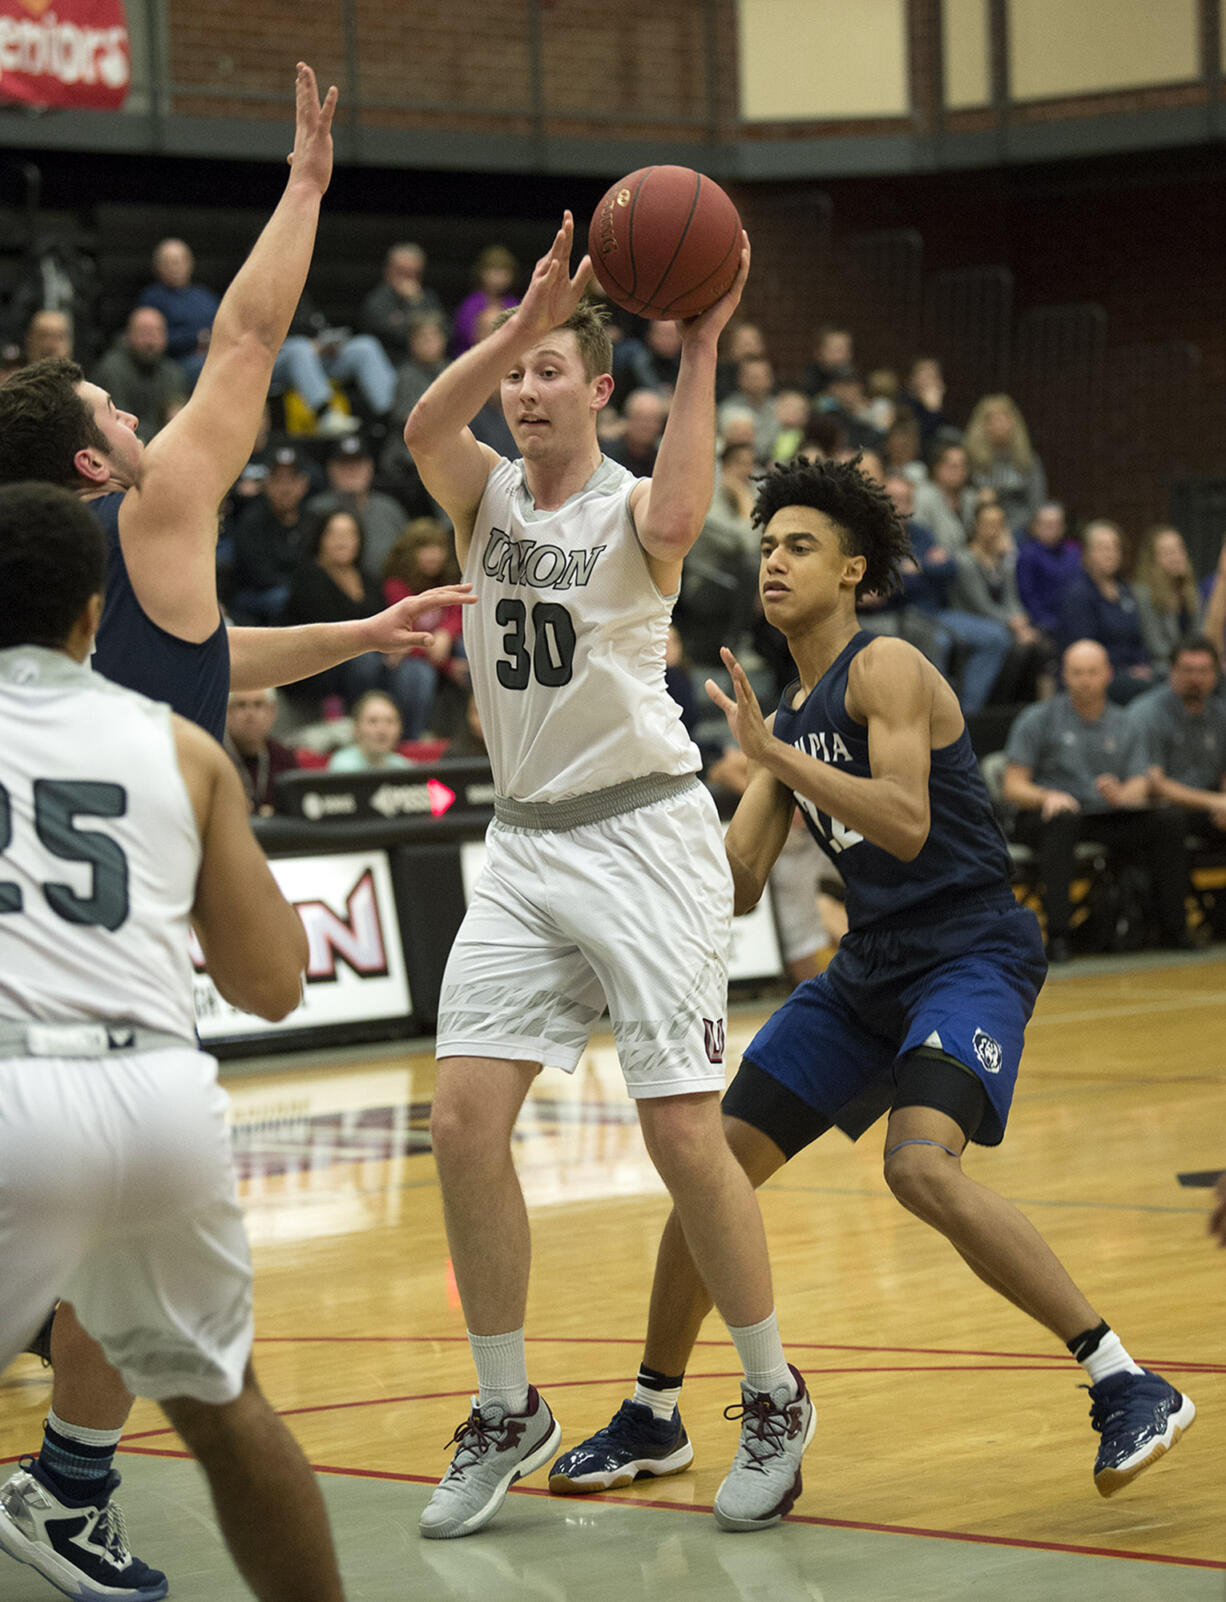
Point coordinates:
[[117, 1193], [634, 911]]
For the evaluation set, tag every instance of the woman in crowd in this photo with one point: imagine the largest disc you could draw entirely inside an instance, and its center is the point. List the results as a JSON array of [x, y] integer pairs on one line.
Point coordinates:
[[986, 585], [1002, 459], [945, 506], [493, 272], [1168, 604], [376, 734], [1098, 605], [330, 587]]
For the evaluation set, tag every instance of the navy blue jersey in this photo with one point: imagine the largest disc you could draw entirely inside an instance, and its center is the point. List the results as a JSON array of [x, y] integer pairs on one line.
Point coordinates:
[[965, 851], [133, 651]]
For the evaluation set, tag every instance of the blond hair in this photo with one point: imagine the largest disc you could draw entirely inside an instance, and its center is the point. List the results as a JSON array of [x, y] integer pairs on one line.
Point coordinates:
[[979, 448], [1169, 595], [587, 324]]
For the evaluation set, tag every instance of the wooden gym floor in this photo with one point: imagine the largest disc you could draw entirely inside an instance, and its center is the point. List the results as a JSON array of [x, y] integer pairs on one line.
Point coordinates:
[[953, 1455]]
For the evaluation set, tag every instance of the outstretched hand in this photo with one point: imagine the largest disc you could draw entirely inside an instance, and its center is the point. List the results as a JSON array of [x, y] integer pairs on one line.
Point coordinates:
[[311, 157], [744, 715], [552, 294], [391, 631]]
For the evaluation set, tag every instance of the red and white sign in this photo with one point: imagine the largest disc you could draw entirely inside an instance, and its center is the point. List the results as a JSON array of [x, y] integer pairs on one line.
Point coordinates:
[[65, 53], [355, 970]]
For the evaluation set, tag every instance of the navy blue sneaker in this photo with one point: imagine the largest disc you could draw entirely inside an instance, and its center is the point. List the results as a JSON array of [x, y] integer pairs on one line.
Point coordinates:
[[1140, 1417], [81, 1547], [634, 1442]]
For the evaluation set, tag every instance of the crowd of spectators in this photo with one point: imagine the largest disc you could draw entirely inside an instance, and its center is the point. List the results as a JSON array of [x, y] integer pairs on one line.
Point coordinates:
[[1101, 653]]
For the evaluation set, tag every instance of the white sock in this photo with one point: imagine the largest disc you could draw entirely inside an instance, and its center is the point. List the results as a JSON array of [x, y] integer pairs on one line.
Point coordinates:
[[80, 1433], [502, 1369], [662, 1403], [1107, 1358], [761, 1353]]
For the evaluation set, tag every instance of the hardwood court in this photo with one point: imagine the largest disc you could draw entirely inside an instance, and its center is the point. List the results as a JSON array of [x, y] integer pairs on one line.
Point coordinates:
[[953, 1455]]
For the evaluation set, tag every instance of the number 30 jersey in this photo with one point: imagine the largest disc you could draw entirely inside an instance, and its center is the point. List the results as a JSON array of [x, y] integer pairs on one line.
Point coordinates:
[[566, 642], [99, 851]]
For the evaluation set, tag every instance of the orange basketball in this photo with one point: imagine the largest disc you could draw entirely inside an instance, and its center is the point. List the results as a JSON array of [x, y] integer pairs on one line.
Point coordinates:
[[665, 242]]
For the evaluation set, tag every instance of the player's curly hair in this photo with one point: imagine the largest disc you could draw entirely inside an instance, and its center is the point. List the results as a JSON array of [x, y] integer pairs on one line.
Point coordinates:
[[864, 514]]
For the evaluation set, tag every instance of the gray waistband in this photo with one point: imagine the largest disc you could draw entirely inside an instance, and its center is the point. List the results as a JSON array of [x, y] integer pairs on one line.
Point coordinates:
[[552, 817], [34, 1039]]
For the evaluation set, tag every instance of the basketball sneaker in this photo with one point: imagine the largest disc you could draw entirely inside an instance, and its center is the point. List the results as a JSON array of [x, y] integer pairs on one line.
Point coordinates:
[[1140, 1417], [634, 1442], [494, 1448], [81, 1547], [764, 1480]]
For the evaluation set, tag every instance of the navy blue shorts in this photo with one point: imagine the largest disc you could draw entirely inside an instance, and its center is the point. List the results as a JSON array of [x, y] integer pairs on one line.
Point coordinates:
[[965, 985]]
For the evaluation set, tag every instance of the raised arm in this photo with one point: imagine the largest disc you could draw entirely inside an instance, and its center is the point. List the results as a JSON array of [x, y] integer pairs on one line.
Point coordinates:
[[168, 522], [453, 464], [669, 509], [255, 947], [890, 690]]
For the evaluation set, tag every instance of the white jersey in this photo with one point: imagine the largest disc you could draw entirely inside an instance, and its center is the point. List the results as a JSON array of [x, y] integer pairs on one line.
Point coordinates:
[[566, 642], [99, 851]]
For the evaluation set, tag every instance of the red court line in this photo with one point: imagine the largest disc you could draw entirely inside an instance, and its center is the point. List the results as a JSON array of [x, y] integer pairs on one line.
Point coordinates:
[[965, 1536], [1190, 1365]]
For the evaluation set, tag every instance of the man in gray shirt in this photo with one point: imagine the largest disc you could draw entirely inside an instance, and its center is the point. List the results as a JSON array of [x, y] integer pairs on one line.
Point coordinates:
[[1077, 769], [1182, 725]]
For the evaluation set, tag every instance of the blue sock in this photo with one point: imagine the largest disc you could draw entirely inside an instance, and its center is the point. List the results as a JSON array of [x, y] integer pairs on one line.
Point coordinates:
[[77, 1461]]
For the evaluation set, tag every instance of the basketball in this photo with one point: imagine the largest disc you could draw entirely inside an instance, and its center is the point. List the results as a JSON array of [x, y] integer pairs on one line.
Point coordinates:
[[665, 242]]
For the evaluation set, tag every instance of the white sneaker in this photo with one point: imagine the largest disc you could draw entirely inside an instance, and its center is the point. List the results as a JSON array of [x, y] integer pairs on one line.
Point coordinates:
[[335, 424], [764, 1480], [494, 1448]]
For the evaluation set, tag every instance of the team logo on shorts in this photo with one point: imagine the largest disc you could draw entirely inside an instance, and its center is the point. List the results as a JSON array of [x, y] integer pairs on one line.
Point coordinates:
[[713, 1033], [989, 1053]]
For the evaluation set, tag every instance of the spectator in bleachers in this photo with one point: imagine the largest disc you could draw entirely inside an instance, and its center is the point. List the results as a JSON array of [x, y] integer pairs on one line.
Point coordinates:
[[883, 396], [1183, 726], [351, 473], [389, 308], [833, 350], [1168, 605], [638, 444], [1213, 597], [719, 576], [1098, 605], [268, 540], [755, 394], [250, 715], [1003, 460], [12, 360], [1076, 769], [422, 558], [329, 586], [792, 413], [986, 586], [493, 274], [316, 356], [845, 398], [900, 449], [929, 620], [426, 357], [376, 734], [652, 362], [1048, 559], [469, 738], [925, 397], [945, 505], [737, 342], [48, 333], [138, 374], [189, 309]]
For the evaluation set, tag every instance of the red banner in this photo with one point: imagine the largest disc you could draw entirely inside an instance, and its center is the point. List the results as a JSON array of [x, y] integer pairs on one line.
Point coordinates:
[[64, 53]]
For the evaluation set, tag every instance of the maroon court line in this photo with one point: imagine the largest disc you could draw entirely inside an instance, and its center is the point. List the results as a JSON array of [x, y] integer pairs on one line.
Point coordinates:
[[1190, 1365], [967, 1537]]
